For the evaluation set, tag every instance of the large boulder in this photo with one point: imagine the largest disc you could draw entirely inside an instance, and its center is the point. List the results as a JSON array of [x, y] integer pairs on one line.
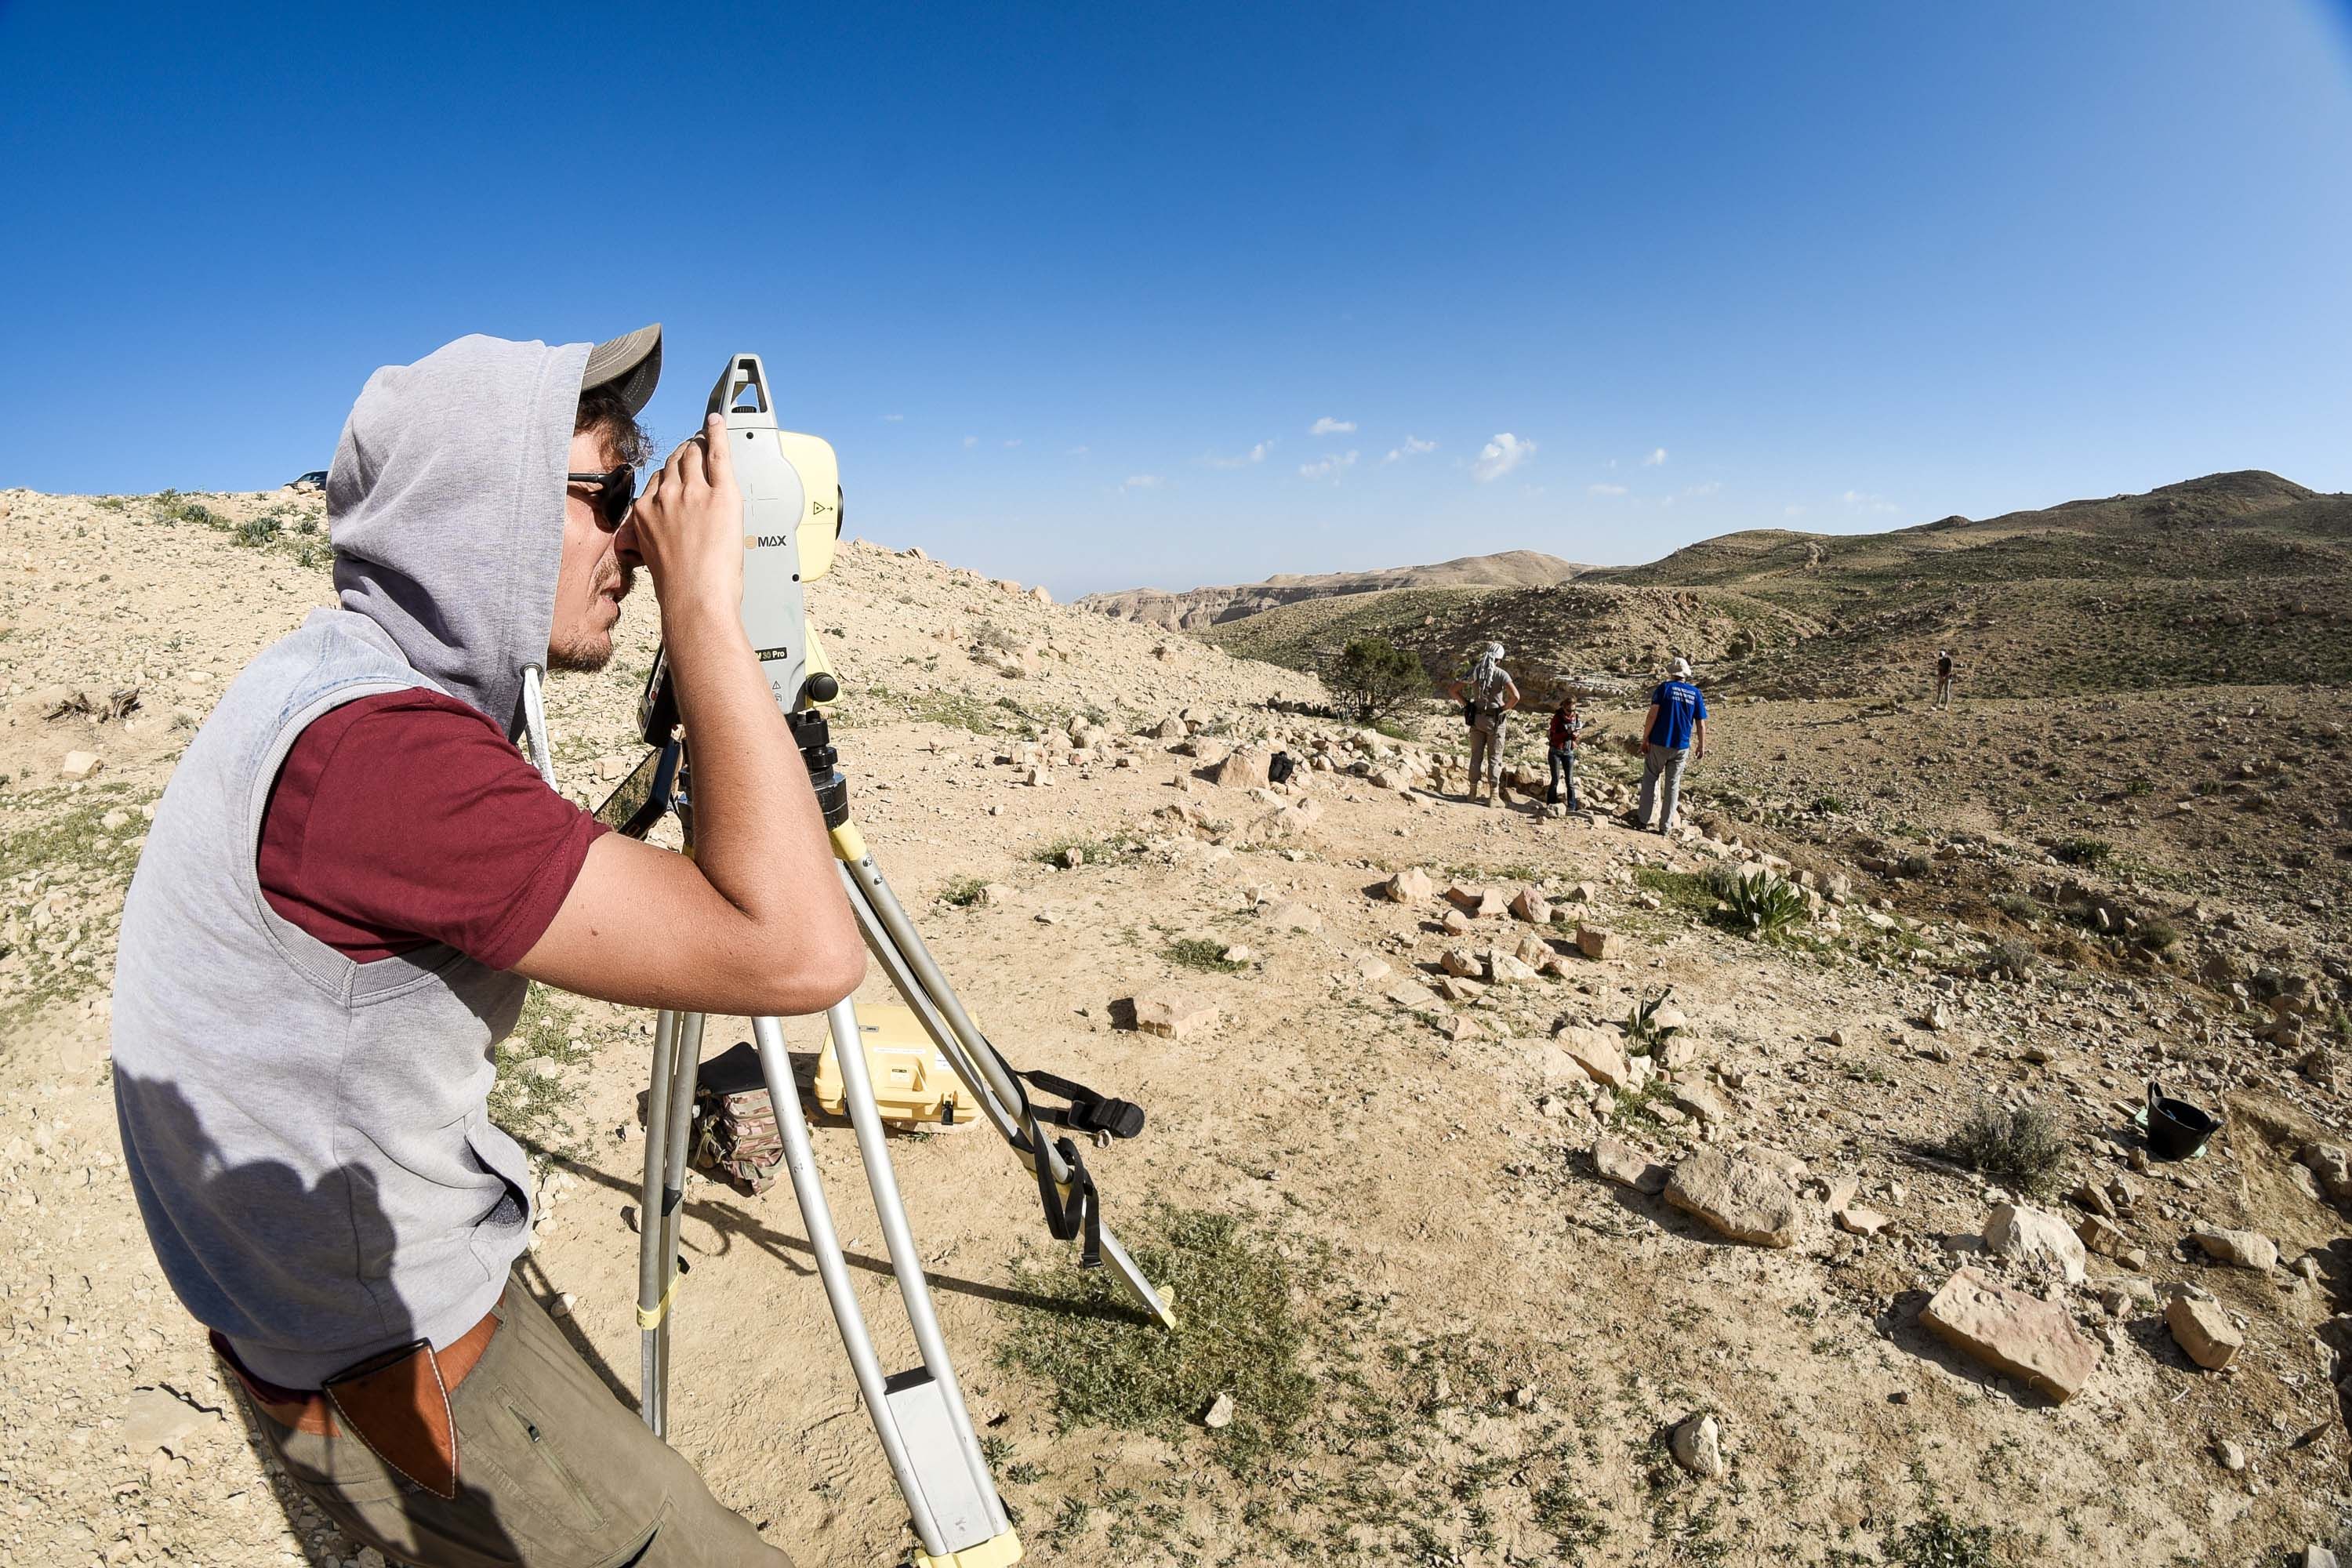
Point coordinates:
[[1410, 885], [1743, 1201], [1245, 769], [2036, 1238], [2238, 1248], [2203, 1331], [2023, 1336]]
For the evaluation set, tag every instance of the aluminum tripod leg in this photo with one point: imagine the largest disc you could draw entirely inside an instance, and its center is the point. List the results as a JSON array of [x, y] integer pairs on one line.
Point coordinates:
[[895, 942], [669, 1117], [919, 1415]]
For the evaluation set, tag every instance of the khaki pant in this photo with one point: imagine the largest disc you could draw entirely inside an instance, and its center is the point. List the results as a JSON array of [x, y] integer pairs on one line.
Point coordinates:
[[1486, 753], [1662, 785], [552, 1472]]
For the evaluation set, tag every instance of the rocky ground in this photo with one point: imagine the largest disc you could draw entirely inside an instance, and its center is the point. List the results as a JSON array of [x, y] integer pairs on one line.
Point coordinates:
[[1550, 1268]]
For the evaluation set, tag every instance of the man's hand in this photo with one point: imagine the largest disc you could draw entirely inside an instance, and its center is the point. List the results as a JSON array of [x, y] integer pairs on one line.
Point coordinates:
[[688, 527]]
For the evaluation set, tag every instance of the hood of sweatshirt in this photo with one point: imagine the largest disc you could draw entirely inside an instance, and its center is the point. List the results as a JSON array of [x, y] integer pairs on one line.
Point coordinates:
[[445, 508]]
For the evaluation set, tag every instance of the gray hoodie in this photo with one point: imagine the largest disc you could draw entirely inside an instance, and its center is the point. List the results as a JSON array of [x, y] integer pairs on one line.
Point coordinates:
[[309, 1137]]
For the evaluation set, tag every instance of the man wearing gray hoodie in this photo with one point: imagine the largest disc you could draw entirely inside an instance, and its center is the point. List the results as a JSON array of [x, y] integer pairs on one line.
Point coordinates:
[[347, 887]]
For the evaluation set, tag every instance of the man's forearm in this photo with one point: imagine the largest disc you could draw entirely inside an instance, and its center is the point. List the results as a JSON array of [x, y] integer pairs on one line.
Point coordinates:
[[759, 836]]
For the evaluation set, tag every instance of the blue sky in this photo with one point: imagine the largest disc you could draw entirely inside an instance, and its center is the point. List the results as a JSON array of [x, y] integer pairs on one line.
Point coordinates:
[[1072, 289]]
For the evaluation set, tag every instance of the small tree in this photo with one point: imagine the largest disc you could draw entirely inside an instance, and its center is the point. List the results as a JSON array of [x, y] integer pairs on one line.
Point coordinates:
[[1374, 676]]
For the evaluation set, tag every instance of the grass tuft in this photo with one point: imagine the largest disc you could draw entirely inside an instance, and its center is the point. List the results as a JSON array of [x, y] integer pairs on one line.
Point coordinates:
[[1202, 953], [1238, 1331], [2021, 1149], [531, 1103], [961, 893]]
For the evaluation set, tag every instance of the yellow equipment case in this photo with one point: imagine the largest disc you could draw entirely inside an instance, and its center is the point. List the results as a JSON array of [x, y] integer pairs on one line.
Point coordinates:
[[913, 1084]]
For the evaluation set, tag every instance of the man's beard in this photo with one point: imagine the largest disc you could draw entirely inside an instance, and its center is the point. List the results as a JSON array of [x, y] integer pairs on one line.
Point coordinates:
[[586, 652]]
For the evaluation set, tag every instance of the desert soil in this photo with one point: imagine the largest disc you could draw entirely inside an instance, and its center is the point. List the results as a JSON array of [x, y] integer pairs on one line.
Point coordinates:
[[1499, 1340]]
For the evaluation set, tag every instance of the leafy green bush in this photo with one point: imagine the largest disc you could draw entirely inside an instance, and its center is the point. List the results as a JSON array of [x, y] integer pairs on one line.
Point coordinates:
[[2083, 851], [1761, 906], [2021, 1149], [1374, 676]]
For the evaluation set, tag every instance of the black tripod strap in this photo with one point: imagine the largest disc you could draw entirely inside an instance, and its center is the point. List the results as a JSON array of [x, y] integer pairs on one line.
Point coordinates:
[[1078, 1215], [1088, 1110]]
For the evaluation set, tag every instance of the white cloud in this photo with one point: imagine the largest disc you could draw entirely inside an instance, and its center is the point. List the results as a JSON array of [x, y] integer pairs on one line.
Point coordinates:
[[1414, 447], [1500, 455], [1326, 425], [1329, 468], [1604, 489], [1711, 487], [1856, 500], [892, 418], [1014, 442], [1143, 482], [1254, 455], [970, 442], [1792, 511], [1657, 459]]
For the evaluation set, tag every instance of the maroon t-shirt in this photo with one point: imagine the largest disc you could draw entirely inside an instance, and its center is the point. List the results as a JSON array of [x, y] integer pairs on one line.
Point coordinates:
[[408, 818]]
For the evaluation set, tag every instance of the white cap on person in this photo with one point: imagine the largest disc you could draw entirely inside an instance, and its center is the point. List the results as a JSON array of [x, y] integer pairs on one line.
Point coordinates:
[[1681, 670]]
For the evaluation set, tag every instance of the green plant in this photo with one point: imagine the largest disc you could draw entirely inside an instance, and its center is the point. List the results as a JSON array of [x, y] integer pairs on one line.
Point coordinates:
[[2139, 785], [1202, 953], [2155, 933], [2021, 1149], [1759, 905], [963, 892], [2086, 852], [539, 1080], [1238, 1333], [1940, 1542], [1089, 851], [1374, 676], [2017, 907], [1641, 1027]]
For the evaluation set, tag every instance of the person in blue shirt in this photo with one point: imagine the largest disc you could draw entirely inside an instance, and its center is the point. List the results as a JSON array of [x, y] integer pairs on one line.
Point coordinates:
[[1673, 731]]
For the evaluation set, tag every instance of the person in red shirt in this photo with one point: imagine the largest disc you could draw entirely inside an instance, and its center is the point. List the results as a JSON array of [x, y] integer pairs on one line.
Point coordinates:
[[1567, 730], [406, 833]]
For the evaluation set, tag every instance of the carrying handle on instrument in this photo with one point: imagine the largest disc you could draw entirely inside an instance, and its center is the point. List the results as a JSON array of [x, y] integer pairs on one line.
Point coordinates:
[[743, 372]]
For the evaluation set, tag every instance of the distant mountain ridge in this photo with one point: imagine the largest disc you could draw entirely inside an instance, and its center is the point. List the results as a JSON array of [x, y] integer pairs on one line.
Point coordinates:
[[2239, 577], [1193, 609]]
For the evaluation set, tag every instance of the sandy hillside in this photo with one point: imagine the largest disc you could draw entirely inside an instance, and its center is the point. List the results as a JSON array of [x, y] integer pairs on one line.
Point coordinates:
[[1404, 1154]]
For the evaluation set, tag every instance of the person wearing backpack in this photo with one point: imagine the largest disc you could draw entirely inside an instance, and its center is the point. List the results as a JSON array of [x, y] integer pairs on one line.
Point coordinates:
[[1487, 694], [1673, 731], [1567, 730]]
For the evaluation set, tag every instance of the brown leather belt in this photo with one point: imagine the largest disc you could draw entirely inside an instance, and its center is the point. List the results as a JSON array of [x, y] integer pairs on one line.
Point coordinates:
[[396, 1403]]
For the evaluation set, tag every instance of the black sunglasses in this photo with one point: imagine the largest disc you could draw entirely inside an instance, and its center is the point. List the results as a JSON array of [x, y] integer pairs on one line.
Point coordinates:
[[615, 492]]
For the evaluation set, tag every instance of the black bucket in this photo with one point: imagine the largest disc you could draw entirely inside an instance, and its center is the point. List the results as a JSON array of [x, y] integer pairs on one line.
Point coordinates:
[[2175, 1129]]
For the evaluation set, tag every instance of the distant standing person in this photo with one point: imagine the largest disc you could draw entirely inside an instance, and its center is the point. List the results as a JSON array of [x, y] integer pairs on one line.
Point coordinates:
[[1487, 694], [1943, 677], [1567, 730], [1674, 730]]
